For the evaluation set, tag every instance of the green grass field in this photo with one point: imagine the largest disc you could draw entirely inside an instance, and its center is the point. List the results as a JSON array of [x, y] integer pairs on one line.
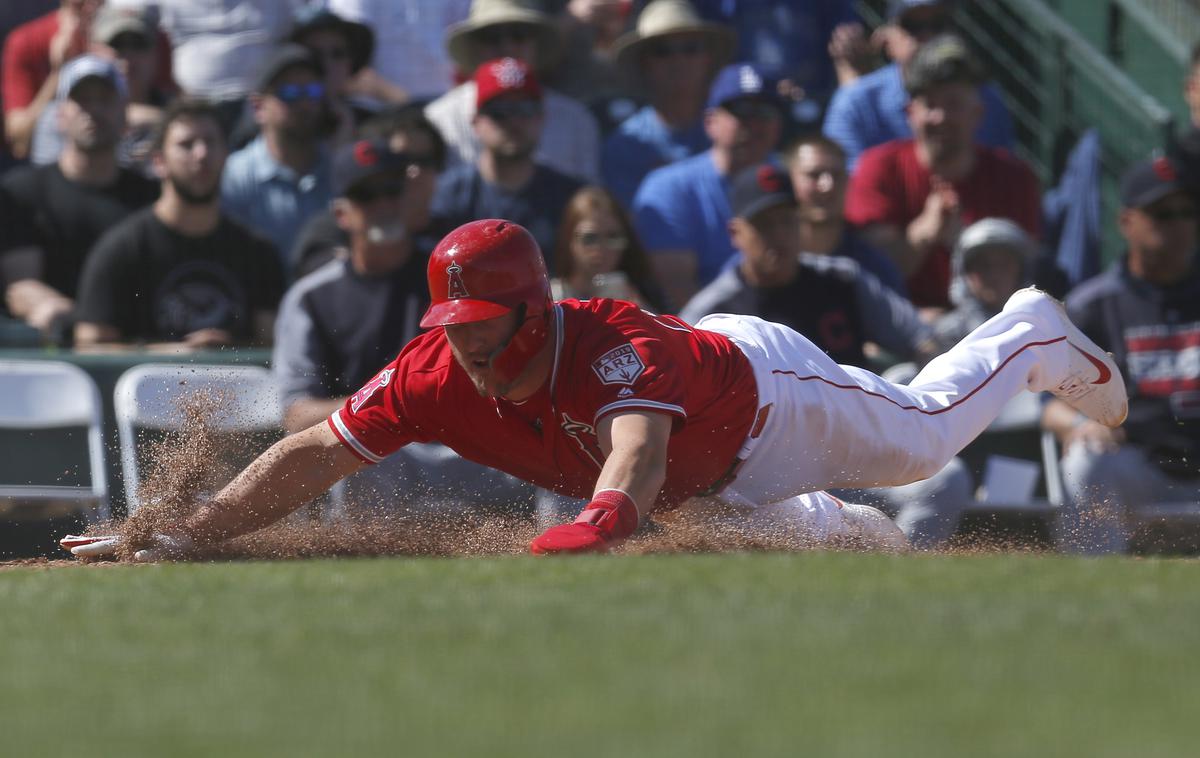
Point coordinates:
[[823, 654]]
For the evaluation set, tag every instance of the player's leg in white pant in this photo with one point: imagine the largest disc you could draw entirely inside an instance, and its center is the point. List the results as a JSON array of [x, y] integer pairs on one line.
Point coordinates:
[[928, 511], [818, 519], [836, 426]]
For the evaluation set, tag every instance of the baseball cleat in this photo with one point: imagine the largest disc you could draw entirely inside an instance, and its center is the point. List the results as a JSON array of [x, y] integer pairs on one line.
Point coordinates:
[[1093, 385]]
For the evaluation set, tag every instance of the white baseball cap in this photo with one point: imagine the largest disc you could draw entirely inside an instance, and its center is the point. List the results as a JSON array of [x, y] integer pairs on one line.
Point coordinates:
[[87, 67]]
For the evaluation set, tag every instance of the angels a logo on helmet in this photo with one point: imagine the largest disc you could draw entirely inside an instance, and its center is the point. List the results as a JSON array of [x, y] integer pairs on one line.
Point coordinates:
[[455, 286]]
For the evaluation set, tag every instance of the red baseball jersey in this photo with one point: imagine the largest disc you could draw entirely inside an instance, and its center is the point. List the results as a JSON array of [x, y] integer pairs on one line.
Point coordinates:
[[610, 357]]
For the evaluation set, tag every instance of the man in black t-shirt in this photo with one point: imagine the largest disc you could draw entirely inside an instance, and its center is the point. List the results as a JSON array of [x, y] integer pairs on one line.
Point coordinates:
[[1145, 310], [180, 271], [68, 204]]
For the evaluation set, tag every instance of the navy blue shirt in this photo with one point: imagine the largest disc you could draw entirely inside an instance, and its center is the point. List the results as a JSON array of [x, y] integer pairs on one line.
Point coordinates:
[[337, 328], [463, 195], [1154, 335], [831, 301]]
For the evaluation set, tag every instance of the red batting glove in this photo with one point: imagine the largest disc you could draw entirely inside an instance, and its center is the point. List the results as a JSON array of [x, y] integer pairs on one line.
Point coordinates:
[[611, 516]]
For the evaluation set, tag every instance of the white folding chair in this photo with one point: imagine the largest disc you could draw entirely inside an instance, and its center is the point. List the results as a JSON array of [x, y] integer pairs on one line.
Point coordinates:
[[47, 395], [148, 397]]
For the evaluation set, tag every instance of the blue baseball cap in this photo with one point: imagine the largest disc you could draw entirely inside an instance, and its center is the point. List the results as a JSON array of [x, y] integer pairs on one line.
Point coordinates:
[[739, 80], [1147, 182]]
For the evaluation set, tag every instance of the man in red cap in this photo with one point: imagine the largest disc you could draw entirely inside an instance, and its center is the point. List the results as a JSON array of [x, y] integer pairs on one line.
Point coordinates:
[[506, 181], [632, 411]]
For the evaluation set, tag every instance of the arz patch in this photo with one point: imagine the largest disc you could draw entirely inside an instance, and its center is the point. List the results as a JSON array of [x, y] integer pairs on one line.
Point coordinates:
[[383, 379], [621, 365]]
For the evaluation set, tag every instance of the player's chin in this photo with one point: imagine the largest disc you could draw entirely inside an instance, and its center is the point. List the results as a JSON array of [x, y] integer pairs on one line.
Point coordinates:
[[487, 384]]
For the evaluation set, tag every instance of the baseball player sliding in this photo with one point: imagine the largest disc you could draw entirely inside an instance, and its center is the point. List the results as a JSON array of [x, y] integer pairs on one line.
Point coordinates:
[[599, 399]]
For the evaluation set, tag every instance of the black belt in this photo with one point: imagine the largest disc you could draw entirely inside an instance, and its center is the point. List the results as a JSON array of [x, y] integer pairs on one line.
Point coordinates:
[[724, 480]]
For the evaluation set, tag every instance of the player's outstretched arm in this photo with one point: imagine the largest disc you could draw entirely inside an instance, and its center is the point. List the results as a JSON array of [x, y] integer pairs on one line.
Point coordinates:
[[634, 470], [289, 474]]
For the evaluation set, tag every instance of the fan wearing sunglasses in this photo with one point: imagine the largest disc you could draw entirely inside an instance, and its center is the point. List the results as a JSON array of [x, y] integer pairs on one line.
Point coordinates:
[[281, 179], [871, 110], [598, 254]]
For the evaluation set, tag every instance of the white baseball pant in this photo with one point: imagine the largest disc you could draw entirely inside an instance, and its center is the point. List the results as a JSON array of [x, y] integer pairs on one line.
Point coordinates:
[[831, 426]]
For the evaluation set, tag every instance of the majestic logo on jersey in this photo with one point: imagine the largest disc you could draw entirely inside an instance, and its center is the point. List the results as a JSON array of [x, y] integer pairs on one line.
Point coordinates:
[[455, 287], [584, 436], [383, 379], [621, 365]]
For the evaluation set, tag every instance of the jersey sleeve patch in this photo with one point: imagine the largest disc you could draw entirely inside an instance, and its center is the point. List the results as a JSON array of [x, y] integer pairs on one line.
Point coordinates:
[[621, 365]]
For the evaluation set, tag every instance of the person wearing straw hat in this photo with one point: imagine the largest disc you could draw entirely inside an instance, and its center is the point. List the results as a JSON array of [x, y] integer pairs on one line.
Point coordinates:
[[410, 53], [512, 28], [672, 53]]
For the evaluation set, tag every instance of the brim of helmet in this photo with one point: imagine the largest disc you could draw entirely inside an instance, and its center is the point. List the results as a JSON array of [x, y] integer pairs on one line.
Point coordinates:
[[461, 311]]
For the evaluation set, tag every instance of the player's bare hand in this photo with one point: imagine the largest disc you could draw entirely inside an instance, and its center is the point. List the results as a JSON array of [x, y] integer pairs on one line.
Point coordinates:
[[940, 221], [162, 547], [71, 39]]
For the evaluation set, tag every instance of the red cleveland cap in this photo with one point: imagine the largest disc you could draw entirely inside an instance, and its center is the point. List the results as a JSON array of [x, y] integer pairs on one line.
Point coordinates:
[[504, 76]]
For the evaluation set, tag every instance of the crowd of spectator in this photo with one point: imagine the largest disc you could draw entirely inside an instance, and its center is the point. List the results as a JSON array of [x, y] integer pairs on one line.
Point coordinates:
[[189, 174]]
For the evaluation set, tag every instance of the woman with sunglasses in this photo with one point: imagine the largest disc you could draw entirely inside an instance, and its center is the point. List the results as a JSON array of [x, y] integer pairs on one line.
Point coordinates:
[[597, 253]]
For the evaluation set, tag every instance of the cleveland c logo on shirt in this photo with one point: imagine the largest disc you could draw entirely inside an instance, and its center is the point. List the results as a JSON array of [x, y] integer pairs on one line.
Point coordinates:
[[363, 395], [455, 287], [621, 365]]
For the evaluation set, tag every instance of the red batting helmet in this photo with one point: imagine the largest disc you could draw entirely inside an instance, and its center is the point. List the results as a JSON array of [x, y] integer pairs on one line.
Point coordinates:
[[486, 269]]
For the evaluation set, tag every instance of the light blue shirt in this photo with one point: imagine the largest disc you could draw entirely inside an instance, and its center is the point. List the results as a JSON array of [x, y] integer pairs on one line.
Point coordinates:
[[871, 111], [270, 198], [643, 143], [685, 206]]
